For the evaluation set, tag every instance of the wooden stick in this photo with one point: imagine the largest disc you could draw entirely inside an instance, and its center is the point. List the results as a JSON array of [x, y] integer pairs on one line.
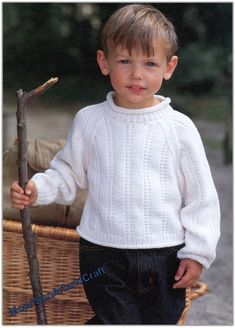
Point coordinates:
[[29, 237]]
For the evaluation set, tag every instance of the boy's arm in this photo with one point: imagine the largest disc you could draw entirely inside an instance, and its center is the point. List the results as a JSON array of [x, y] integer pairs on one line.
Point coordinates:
[[67, 172], [200, 213]]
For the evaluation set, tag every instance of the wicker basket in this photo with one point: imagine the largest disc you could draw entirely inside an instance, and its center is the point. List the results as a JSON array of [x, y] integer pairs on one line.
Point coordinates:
[[58, 254]]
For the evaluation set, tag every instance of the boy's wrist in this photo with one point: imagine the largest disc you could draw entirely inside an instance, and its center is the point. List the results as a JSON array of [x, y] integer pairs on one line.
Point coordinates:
[[204, 261]]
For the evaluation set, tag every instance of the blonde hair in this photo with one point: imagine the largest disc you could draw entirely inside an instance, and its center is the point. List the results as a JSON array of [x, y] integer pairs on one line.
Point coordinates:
[[138, 26]]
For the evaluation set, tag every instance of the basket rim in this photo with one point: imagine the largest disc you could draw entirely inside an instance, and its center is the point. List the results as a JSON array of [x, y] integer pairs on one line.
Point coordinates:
[[62, 233]]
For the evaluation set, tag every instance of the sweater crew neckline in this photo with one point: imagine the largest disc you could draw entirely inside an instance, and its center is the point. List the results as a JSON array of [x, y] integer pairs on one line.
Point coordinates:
[[138, 115]]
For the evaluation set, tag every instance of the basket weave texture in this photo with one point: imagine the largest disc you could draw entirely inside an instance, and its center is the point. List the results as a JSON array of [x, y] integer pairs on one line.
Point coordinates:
[[58, 255]]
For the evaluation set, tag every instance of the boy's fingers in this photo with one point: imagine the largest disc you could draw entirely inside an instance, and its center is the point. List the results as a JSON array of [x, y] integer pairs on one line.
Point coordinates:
[[18, 204], [185, 282], [15, 187], [30, 188], [181, 271], [20, 200], [16, 195]]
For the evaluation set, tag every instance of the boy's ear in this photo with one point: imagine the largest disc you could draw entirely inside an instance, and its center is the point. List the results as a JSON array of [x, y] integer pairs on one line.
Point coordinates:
[[102, 62], [171, 65]]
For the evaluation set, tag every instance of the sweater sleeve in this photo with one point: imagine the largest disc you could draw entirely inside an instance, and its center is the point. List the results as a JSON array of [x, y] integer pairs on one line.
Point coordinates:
[[67, 172], [200, 212]]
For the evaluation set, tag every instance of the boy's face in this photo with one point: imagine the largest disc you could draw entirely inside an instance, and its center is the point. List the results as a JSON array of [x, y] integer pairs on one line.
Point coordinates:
[[136, 77]]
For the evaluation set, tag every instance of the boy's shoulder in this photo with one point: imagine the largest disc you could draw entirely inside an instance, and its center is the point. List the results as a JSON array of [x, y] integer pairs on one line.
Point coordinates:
[[185, 128], [183, 123], [181, 120], [87, 117], [91, 110]]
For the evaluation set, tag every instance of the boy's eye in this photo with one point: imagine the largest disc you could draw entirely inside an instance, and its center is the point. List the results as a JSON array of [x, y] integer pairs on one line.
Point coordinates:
[[124, 61], [151, 64]]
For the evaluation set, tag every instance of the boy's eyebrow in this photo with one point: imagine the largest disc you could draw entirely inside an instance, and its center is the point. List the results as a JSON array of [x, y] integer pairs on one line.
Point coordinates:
[[156, 58], [153, 58], [121, 55]]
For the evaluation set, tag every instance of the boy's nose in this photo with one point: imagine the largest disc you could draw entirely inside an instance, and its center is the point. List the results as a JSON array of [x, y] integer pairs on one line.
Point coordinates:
[[136, 73]]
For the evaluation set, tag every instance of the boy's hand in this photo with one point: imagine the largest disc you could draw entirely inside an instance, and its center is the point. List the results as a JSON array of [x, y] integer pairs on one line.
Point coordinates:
[[20, 200], [187, 274]]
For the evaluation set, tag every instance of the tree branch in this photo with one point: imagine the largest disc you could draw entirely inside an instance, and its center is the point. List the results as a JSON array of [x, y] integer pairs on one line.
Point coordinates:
[[29, 237]]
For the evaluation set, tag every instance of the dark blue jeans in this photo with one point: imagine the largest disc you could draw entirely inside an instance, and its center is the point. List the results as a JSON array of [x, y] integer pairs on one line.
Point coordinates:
[[136, 287]]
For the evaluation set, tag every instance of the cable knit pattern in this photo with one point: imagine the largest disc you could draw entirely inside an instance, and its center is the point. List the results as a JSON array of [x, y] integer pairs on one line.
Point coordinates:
[[148, 178]]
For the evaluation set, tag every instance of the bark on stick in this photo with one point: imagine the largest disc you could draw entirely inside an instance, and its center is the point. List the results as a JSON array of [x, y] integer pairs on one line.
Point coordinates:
[[29, 237]]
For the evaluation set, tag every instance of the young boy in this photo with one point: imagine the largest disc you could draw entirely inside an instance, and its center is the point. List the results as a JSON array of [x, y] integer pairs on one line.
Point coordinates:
[[152, 214]]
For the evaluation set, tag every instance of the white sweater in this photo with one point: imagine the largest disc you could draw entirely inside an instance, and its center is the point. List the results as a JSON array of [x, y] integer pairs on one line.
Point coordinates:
[[149, 181]]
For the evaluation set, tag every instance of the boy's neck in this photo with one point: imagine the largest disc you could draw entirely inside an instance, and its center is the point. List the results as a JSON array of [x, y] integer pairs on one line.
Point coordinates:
[[146, 104]]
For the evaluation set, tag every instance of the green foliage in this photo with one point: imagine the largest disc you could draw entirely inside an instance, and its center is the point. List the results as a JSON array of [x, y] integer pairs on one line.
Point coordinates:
[[199, 69]]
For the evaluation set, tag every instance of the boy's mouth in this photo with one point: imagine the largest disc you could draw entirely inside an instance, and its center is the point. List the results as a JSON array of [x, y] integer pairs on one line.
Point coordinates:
[[136, 88]]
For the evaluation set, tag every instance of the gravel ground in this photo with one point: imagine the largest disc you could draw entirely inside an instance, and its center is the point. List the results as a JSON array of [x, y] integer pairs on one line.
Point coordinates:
[[216, 307]]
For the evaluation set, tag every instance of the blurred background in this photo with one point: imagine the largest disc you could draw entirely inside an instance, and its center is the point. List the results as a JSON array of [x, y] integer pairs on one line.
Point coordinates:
[[41, 40]]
